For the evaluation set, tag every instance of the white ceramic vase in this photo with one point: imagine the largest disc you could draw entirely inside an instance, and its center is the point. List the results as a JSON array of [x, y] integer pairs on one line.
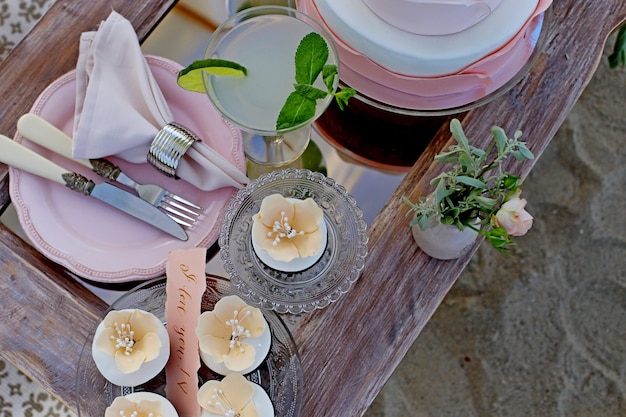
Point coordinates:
[[443, 241]]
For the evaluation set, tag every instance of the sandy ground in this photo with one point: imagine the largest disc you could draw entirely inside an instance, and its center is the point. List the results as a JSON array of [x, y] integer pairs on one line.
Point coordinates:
[[542, 333]]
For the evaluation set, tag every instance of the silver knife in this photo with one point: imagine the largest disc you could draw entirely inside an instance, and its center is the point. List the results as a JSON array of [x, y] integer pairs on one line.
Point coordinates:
[[21, 157], [38, 130]]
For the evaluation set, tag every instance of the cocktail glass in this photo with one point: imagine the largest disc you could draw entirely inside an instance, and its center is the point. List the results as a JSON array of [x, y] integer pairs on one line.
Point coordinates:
[[264, 39], [234, 6]]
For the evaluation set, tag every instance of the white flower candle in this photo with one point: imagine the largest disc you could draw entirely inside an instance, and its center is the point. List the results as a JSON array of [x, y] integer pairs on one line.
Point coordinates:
[[234, 396], [234, 337], [130, 347], [289, 234], [141, 404]]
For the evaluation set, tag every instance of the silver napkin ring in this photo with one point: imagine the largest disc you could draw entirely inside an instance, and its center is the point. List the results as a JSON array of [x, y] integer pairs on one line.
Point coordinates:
[[168, 146]]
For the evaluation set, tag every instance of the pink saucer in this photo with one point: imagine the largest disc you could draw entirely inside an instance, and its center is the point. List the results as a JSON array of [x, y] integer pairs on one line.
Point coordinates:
[[94, 240]]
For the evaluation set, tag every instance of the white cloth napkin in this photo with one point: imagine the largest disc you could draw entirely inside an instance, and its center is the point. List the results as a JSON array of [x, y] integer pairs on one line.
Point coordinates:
[[120, 108]]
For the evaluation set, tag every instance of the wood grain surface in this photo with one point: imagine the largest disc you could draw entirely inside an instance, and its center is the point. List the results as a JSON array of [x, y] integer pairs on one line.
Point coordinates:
[[349, 349]]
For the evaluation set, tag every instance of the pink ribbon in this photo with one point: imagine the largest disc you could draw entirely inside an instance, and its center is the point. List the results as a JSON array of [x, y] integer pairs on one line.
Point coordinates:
[[185, 286]]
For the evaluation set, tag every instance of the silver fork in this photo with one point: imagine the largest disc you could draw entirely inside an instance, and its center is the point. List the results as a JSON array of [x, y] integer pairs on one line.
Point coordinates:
[[39, 131], [183, 211]]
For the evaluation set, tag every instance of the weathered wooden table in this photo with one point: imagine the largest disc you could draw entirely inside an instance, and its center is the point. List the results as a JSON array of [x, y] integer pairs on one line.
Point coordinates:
[[349, 349]]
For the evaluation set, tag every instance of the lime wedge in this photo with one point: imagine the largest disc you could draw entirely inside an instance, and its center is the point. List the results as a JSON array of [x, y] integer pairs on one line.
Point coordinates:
[[190, 77]]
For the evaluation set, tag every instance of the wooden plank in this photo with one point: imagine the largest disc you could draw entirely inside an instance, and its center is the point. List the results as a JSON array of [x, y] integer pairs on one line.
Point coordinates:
[[4, 188], [46, 316], [350, 349]]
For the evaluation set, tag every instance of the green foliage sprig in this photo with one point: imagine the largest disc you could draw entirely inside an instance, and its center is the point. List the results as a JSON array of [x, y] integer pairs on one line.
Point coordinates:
[[475, 187], [310, 62]]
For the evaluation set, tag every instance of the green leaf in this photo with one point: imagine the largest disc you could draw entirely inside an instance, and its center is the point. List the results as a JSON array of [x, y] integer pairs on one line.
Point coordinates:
[[447, 220], [522, 152], [424, 222], [509, 182], [472, 182], [310, 59], [499, 239], [486, 202], [618, 57], [448, 157], [441, 192], [296, 110], [478, 152], [342, 96], [466, 161], [329, 73], [311, 56], [457, 132], [500, 138], [310, 92]]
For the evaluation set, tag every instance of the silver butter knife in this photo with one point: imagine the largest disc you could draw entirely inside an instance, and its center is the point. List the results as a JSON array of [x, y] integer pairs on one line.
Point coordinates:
[[21, 157]]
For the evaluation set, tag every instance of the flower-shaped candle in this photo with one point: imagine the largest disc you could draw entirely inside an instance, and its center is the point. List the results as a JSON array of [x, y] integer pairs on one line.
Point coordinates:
[[289, 234], [234, 337], [141, 404], [130, 347], [234, 396]]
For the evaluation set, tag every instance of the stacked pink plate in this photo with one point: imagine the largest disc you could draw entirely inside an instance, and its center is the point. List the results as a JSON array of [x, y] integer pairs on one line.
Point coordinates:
[[430, 54]]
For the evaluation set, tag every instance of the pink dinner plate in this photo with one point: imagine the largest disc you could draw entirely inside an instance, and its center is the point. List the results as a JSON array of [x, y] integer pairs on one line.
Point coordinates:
[[97, 241]]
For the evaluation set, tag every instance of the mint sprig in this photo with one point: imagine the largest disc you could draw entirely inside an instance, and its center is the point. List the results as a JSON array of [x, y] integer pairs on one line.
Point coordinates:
[[310, 62], [311, 55]]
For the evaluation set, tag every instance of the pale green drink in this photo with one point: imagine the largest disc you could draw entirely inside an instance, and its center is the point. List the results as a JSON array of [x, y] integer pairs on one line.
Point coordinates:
[[266, 46]]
